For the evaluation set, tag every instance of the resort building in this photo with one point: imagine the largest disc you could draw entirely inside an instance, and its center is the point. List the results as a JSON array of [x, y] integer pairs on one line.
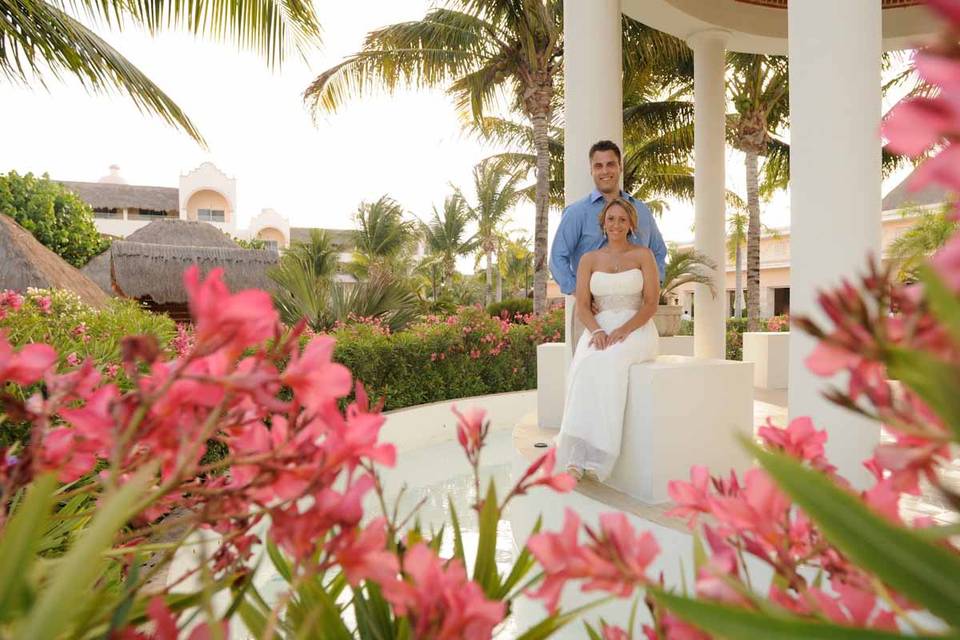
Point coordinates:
[[205, 194], [900, 210]]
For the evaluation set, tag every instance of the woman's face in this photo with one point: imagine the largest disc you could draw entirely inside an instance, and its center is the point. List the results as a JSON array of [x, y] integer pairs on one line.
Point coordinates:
[[617, 222]]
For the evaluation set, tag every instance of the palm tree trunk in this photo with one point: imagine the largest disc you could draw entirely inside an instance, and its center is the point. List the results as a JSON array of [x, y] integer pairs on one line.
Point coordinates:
[[499, 280], [488, 294], [753, 241], [540, 117], [738, 301]]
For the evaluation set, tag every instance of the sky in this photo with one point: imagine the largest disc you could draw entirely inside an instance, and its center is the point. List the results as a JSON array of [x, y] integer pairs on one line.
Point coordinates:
[[410, 145]]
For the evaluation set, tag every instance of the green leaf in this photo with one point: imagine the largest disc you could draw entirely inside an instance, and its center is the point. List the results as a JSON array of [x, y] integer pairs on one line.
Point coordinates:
[[935, 381], [591, 632], [279, 562], [700, 556], [373, 614], [458, 552], [923, 571], [485, 570], [553, 623], [58, 603], [732, 622], [20, 542], [944, 304]]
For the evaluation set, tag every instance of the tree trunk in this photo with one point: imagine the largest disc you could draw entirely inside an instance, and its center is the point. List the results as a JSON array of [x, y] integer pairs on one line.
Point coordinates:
[[753, 241], [499, 279], [488, 294], [538, 107], [738, 301]]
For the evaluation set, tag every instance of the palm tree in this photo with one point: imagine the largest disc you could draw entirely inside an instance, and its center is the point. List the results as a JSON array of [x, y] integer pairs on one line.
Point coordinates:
[[736, 238], [381, 238], [479, 50], [930, 232], [758, 88], [444, 234], [518, 264], [497, 191], [41, 38], [685, 266], [658, 123]]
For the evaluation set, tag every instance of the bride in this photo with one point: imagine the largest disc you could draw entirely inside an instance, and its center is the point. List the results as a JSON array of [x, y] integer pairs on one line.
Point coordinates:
[[623, 283]]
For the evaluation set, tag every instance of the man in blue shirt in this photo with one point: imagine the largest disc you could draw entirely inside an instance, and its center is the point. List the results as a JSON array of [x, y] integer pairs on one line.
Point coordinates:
[[580, 232]]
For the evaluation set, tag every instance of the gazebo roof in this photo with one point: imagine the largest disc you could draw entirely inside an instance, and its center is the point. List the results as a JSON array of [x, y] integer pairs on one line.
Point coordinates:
[[760, 26]]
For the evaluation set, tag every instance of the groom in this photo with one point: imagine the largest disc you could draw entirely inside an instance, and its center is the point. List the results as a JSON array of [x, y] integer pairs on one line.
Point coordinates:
[[580, 232]]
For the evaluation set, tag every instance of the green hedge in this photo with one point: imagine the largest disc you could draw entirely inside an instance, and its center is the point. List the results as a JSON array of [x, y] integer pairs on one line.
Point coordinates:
[[735, 329], [464, 355], [513, 307]]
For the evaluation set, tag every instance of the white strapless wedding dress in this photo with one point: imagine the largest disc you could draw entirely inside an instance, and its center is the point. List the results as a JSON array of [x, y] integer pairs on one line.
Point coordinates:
[[597, 381]]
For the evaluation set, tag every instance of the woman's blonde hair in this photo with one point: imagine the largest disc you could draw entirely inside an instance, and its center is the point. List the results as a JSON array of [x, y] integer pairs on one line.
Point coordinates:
[[627, 206]]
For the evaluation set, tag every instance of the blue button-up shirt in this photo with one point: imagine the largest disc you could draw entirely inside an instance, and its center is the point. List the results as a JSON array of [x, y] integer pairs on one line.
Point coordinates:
[[580, 232]]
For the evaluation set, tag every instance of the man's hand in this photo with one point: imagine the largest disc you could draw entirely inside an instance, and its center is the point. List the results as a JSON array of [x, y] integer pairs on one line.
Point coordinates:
[[599, 340]]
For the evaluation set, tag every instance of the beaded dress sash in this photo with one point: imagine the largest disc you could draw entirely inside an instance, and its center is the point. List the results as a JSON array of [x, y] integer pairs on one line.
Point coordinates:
[[625, 301]]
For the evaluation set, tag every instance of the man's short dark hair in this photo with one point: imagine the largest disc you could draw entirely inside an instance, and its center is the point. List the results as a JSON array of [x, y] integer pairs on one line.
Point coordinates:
[[606, 145]]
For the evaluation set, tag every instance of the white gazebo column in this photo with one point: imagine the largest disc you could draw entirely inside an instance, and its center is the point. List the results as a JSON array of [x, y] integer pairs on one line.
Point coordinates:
[[709, 322], [835, 110], [593, 99]]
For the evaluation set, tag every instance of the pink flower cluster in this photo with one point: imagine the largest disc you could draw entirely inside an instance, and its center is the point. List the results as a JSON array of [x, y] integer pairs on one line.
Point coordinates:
[[755, 518], [10, 301], [614, 559]]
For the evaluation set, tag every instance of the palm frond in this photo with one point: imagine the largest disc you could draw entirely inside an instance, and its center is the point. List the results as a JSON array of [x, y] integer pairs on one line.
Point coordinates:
[[37, 37]]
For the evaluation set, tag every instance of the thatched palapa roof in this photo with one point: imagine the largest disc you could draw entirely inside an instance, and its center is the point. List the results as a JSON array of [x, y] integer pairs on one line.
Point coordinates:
[[24, 263], [155, 271], [105, 195], [175, 232], [182, 233]]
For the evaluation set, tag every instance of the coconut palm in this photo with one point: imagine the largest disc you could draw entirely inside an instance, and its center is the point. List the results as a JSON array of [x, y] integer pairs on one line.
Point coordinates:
[[758, 88], [517, 262], [685, 266], [43, 38], [736, 239], [931, 231], [496, 188], [382, 236], [478, 50], [444, 235]]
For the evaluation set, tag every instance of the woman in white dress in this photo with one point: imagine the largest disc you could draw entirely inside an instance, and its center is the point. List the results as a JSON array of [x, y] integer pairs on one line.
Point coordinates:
[[622, 282]]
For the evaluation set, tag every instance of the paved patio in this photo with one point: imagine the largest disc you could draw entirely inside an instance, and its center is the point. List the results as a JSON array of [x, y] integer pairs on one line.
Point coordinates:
[[766, 404]]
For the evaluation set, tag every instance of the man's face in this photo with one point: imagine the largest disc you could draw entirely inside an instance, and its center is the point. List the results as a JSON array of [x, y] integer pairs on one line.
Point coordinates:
[[605, 169]]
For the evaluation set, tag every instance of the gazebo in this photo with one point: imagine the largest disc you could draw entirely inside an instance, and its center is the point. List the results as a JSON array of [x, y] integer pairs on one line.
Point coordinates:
[[834, 50]]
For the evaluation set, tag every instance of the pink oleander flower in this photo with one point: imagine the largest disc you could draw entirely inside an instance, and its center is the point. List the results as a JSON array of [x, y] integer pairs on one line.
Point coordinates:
[[27, 365], [715, 577], [73, 360], [614, 560], [758, 511], [45, 304], [540, 473], [948, 9], [315, 379], [165, 626], [440, 601], [223, 319], [691, 498], [613, 632], [472, 428], [363, 554], [799, 440]]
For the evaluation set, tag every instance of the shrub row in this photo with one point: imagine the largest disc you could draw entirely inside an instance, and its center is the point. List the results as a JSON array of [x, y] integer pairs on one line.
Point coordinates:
[[735, 330]]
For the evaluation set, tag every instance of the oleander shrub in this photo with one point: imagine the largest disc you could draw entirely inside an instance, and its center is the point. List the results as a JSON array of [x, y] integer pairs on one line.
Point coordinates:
[[515, 310], [467, 354]]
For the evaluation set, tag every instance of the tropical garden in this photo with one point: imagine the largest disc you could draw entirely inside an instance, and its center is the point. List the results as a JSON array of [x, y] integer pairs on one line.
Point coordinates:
[[123, 435]]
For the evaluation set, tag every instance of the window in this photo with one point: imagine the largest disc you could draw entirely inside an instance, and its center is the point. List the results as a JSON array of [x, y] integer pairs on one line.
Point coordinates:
[[211, 215], [271, 245], [106, 212], [152, 213]]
